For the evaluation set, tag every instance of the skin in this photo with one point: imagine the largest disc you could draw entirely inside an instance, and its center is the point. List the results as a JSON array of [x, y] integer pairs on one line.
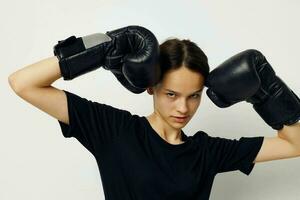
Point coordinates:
[[167, 104]]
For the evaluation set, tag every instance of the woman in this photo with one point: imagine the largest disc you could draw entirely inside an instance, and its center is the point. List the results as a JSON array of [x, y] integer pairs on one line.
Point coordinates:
[[148, 157]]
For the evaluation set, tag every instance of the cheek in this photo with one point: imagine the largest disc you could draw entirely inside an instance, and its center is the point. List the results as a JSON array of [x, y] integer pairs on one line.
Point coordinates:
[[195, 104], [165, 105]]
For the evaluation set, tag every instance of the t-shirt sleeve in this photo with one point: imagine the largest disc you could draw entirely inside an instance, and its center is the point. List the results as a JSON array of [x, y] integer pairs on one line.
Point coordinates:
[[232, 154], [95, 125]]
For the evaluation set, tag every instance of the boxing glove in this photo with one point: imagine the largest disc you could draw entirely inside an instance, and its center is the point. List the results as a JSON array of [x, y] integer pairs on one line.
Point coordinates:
[[247, 76], [130, 53]]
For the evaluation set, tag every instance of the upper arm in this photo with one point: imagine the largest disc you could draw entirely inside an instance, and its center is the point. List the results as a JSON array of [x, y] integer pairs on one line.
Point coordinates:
[[275, 148], [49, 99], [231, 154]]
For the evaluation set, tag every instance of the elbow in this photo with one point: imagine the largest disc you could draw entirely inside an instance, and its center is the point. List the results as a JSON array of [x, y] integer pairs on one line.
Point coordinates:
[[10, 81], [13, 83]]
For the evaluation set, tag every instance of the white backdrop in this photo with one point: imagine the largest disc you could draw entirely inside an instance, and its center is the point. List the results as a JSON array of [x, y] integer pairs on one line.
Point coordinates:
[[37, 162]]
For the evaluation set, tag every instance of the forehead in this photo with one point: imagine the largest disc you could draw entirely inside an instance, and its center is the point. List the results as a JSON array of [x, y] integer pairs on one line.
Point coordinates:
[[183, 79]]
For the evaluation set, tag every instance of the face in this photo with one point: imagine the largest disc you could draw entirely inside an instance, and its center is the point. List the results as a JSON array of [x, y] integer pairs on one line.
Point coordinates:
[[178, 95]]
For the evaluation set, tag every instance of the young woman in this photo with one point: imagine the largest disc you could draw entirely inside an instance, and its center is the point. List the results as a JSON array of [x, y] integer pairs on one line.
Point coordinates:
[[149, 157]]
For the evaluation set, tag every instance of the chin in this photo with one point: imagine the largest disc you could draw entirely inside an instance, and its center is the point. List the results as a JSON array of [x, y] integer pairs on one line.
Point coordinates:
[[179, 125]]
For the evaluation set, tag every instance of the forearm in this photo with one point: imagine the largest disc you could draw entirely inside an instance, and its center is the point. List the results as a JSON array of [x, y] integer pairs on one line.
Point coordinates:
[[291, 133], [40, 74]]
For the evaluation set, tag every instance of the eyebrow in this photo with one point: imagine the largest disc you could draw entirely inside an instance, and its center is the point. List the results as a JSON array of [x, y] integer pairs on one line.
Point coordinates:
[[179, 92]]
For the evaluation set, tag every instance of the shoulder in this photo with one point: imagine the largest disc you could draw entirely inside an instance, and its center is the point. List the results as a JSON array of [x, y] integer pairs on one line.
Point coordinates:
[[86, 103], [200, 136], [213, 142]]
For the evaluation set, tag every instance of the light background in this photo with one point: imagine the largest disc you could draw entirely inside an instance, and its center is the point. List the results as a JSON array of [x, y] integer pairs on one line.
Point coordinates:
[[37, 162]]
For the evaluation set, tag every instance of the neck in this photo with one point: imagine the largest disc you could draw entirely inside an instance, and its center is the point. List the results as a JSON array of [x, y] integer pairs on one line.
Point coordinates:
[[164, 130]]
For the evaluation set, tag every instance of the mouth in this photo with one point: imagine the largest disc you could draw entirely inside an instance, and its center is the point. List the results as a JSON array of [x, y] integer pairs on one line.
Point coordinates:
[[180, 119]]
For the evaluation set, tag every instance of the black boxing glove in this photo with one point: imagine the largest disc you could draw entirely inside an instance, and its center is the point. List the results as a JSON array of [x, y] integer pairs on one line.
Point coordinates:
[[248, 76], [130, 53]]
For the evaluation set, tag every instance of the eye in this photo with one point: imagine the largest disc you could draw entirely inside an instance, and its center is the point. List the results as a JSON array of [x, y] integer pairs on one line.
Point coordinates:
[[196, 96], [170, 94]]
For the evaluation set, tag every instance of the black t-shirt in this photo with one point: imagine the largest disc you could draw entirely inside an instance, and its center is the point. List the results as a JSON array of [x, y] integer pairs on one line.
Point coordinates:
[[136, 163]]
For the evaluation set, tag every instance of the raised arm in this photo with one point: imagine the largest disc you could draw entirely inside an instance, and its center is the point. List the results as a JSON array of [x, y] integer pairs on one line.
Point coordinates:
[[33, 84], [249, 76], [132, 50]]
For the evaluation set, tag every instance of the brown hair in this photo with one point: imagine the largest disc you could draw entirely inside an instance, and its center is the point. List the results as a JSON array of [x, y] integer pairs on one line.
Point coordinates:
[[175, 53]]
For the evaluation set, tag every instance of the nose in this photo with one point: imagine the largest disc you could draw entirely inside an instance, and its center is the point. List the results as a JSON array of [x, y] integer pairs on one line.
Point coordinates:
[[182, 107]]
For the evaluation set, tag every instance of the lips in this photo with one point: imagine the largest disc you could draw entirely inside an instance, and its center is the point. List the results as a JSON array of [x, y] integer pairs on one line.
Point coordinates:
[[181, 117]]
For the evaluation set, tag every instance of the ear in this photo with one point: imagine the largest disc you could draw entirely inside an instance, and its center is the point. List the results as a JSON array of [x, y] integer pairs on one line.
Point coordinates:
[[150, 90]]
